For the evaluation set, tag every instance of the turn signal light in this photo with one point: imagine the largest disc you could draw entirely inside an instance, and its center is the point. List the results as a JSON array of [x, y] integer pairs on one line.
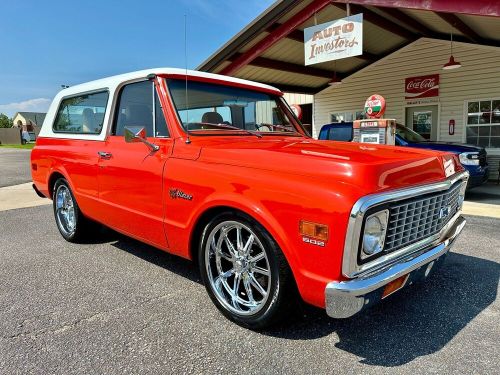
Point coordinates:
[[313, 230], [394, 285]]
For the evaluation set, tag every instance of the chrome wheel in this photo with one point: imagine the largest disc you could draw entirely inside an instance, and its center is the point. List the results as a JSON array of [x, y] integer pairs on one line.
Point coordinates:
[[238, 268], [65, 210]]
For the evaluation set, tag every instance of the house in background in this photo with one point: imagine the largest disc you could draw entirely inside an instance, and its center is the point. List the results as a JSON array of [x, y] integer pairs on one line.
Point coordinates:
[[30, 120], [29, 125]]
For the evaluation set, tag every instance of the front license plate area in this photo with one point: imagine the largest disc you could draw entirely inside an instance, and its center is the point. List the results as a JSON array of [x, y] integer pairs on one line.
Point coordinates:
[[415, 276]]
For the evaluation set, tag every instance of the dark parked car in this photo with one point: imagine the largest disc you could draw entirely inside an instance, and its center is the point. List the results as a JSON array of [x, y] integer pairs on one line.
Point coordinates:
[[473, 158]]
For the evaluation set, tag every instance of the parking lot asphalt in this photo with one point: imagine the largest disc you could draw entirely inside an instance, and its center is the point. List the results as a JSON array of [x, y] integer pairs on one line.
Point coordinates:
[[14, 166], [116, 306]]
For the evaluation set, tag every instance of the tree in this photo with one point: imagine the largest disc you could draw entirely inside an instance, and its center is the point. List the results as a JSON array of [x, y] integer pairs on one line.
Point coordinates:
[[5, 122]]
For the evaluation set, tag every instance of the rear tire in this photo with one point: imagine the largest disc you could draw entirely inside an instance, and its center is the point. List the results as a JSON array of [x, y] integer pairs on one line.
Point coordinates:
[[244, 271], [73, 226]]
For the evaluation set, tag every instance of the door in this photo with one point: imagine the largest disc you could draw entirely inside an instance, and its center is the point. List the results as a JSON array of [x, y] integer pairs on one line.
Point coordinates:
[[423, 120], [130, 174]]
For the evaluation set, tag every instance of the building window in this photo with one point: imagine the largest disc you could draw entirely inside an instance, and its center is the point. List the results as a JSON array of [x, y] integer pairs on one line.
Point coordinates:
[[483, 123], [348, 116]]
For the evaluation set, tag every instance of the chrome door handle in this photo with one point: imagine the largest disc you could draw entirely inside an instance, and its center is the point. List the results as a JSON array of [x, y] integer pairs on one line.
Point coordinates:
[[104, 154]]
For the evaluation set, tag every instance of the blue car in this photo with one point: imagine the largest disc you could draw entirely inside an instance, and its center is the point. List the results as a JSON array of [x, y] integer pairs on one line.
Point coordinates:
[[473, 158]]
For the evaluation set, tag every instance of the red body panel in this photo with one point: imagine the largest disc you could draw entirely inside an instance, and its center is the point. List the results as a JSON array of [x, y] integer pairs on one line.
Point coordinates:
[[278, 180], [130, 188]]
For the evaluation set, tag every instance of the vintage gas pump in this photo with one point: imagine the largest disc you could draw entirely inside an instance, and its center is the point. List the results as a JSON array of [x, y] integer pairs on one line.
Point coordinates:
[[375, 129]]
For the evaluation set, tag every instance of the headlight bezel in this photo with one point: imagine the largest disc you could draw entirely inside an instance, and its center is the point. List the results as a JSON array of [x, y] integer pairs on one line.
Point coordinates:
[[469, 158], [382, 216]]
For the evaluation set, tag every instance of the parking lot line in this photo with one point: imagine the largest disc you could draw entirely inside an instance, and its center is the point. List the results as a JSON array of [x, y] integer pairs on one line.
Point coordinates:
[[481, 209]]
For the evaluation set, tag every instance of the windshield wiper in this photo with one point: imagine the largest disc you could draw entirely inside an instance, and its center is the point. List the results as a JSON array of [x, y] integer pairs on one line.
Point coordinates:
[[226, 126], [286, 128]]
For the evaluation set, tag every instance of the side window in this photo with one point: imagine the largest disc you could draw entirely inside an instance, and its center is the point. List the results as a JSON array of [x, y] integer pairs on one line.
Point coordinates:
[[135, 108], [83, 114], [161, 124]]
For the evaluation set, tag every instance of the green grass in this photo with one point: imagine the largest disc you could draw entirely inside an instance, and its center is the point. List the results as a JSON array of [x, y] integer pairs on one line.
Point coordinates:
[[27, 146]]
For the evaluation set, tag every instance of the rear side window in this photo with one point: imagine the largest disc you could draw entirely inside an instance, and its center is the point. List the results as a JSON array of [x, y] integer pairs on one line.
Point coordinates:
[[82, 114]]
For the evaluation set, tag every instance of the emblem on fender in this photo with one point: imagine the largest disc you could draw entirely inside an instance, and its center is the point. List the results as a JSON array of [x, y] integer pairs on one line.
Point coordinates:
[[444, 212], [312, 241], [176, 193]]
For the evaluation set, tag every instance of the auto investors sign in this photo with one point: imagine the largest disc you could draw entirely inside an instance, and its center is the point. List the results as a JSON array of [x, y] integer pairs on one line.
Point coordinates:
[[334, 40]]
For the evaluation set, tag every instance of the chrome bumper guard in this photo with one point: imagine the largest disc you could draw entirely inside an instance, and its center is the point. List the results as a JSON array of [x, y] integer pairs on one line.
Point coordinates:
[[346, 298]]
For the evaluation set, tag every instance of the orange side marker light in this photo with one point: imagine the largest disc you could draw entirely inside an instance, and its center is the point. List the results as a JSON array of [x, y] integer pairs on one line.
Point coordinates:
[[395, 285]]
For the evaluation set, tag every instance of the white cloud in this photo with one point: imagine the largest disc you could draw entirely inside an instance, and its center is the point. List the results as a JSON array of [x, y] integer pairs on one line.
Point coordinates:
[[30, 105]]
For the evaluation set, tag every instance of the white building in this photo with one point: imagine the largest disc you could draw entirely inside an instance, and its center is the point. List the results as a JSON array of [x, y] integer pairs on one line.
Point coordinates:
[[462, 92], [402, 42]]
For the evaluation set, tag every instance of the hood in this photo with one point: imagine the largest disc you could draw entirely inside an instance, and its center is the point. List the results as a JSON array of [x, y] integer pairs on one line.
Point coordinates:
[[456, 148], [366, 167]]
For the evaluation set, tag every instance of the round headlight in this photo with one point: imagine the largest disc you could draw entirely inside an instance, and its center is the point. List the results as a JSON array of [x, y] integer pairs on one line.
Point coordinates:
[[374, 234]]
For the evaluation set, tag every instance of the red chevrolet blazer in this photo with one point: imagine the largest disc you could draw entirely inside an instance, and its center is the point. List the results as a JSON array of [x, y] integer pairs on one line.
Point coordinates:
[[219, 170]]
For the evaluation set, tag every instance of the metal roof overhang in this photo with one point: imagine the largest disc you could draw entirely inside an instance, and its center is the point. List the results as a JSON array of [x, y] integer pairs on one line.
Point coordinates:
[[271, 48]]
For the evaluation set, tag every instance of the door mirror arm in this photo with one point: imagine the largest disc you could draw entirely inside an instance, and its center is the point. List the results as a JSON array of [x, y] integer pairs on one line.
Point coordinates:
[[134, 134]]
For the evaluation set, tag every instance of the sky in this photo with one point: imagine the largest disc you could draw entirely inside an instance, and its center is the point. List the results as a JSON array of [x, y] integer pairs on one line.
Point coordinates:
[[46, 44]]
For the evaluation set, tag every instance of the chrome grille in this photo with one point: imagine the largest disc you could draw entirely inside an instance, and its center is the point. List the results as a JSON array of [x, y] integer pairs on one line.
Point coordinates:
[[417, 218]]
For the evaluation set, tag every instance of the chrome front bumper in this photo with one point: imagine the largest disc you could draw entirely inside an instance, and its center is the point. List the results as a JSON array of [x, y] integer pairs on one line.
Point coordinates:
[[346, 298]]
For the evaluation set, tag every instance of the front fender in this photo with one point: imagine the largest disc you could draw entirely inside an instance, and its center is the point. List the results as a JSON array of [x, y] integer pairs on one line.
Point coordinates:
[[277, 202]]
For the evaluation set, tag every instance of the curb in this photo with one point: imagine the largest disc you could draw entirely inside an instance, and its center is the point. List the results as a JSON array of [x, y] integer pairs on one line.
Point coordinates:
[[20, 196]]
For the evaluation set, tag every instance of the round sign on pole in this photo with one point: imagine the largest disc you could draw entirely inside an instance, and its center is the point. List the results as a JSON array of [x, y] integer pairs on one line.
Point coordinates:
[[375, 106], [297, 110]]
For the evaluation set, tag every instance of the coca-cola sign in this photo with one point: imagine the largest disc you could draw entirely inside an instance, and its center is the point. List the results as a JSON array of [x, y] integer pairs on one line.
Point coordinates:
[[422, 87]]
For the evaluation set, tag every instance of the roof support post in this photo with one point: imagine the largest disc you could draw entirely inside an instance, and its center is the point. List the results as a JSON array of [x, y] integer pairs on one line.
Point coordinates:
[[279, 33]]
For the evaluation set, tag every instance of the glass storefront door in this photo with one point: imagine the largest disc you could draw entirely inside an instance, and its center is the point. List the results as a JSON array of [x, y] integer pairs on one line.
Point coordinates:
[[423, 120]]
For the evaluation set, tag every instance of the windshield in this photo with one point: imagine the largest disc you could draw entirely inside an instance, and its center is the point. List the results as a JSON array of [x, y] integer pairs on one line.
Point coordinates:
[[409, 135], [213, 107]]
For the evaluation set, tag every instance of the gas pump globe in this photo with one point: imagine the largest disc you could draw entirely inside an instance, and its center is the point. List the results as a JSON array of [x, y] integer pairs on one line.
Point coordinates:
[[375, 129]]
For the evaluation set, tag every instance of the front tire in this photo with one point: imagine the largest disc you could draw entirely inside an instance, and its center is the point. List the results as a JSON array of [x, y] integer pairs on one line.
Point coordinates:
[[244, 271], [70, 221]]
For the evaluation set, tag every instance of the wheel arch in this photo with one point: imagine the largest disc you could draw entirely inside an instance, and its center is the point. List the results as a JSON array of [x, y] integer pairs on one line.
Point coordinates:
[[54, 176], [256, 214]]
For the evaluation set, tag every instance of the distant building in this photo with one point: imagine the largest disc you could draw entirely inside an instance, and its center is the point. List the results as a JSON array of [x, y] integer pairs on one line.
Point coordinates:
[[28, 120]]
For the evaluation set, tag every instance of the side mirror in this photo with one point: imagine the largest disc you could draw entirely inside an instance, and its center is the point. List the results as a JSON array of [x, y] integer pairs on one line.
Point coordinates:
[[134, 134]]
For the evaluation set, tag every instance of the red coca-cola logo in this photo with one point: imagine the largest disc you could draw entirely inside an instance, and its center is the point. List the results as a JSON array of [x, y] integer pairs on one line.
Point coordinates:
[[423, 84], [422, 87]]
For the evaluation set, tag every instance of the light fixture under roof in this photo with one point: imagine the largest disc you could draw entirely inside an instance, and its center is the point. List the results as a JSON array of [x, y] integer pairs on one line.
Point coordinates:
[[451, 64], [335, 81]]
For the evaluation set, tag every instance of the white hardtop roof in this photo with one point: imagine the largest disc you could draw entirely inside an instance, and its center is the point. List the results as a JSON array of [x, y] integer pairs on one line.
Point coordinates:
[[116, 80]]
